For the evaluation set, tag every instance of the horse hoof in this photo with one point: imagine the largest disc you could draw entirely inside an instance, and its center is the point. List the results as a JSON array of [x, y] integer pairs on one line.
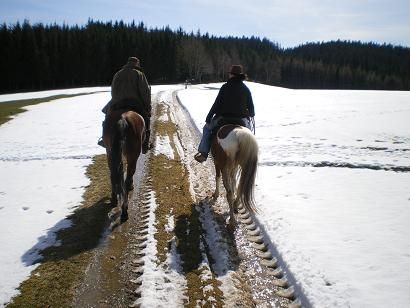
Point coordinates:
[[124, 217], [231, 227], [114, 213]]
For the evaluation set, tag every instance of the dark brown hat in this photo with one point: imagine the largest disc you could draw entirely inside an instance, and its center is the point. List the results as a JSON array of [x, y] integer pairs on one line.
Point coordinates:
[[237, 70], [134, 61]]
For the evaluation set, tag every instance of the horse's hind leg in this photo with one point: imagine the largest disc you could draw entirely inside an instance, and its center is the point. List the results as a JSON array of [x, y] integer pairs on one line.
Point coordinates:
[[124, 210], [114, 200], [131, 167], [129, 183], [230, 197], [217, 183], [234, 172], [113, 193]]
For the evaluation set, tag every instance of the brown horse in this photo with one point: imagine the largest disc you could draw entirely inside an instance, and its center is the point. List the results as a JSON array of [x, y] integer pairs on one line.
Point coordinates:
[[123, 135], [235, 153]]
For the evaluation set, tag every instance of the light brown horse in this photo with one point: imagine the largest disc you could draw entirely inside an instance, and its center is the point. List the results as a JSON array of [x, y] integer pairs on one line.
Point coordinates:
[[235, 153], [123, 135]]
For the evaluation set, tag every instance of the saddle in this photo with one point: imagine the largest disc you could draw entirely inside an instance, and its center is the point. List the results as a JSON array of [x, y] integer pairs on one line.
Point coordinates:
[[224, 121], [129, 104]]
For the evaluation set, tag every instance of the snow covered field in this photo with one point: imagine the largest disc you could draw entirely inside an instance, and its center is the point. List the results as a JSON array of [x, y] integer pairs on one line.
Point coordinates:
[[333, 208], [43, 158], [333, 184]]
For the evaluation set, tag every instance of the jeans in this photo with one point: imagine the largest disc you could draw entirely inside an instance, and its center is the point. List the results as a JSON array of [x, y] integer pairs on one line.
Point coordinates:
[[205, 144]]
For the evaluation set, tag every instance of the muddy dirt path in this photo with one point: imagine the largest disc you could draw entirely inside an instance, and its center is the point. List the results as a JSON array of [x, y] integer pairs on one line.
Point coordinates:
[[175, 250]]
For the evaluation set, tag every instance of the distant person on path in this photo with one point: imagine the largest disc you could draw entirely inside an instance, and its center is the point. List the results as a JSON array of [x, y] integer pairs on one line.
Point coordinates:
[[233, 104], [130, 90]]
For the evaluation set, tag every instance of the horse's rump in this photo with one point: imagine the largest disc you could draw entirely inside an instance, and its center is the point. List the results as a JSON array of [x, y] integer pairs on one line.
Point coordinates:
[[237, 142], [127, 122]]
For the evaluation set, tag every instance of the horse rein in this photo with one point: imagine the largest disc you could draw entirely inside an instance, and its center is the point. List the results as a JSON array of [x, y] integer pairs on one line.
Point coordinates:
[[253, 126]]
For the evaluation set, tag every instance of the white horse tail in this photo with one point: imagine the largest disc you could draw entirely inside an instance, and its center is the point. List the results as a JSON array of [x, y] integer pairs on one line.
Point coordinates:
[[247, 158]]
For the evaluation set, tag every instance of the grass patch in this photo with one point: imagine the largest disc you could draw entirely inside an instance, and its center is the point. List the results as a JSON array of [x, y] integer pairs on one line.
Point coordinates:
[[53, 282], [11, 108]]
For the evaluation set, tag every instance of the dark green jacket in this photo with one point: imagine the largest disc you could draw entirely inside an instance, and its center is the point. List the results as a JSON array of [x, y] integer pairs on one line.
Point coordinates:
[[130, 86]]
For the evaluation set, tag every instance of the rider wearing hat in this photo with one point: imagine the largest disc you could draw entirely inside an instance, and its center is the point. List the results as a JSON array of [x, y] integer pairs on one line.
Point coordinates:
[[234, 102], [130, 90]]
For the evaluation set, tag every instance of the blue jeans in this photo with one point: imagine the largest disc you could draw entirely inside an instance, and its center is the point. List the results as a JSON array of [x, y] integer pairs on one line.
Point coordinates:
[[205, 144]]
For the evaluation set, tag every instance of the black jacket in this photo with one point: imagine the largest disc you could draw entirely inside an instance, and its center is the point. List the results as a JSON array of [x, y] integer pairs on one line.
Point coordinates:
[[234, 100]]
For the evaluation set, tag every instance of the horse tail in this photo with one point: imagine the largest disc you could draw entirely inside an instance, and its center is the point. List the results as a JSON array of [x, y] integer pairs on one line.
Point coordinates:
[[117, 168], [247, 158]]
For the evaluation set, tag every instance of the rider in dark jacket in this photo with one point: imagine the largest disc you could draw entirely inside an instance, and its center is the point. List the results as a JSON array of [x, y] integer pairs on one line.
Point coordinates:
[[130, 90], [234, 101]]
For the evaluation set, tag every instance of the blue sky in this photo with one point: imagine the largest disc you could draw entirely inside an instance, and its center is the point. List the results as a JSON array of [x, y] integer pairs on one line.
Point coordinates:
[[288, 23]]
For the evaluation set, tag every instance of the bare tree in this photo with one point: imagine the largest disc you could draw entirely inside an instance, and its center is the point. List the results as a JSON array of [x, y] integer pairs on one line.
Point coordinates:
[[272, 70], [222, 62], [196, 59]]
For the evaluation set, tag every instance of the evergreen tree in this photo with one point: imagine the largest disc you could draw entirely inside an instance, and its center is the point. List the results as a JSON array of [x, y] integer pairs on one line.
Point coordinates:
[[38, 57]]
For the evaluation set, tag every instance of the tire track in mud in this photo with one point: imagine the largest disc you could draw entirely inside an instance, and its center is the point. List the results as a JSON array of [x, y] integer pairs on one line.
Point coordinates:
[[175, 232]]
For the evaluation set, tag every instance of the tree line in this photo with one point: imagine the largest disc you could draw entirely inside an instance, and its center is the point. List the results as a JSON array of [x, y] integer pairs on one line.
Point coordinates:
[[38, 57]]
